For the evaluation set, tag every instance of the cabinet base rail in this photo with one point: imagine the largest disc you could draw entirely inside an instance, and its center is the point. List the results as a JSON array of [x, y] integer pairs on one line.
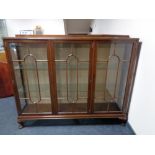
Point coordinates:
[[25, 117], [22, 118]]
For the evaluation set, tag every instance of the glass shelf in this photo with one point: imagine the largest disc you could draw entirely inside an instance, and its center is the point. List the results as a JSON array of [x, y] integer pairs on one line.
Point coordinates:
[[64, 66], [85, 66], [43, 66]]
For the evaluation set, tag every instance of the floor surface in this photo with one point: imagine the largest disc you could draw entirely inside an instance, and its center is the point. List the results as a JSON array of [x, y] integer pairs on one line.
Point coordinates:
[[9, 126]]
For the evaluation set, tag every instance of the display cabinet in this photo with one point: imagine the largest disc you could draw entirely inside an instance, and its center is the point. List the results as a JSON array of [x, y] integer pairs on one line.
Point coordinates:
[[72, 76]]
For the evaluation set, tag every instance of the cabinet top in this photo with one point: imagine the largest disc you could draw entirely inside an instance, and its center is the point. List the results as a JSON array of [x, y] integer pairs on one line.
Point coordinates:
[[72, 37]]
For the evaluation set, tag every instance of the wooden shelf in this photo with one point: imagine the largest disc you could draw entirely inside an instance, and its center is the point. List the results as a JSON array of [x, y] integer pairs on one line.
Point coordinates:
[[104, 107], [38, 108], [69, 108], [72, 107]]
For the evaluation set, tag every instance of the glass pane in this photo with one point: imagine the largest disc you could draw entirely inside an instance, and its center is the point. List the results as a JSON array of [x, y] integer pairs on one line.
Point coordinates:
[[111, 75], [31, 73], [72, 66]]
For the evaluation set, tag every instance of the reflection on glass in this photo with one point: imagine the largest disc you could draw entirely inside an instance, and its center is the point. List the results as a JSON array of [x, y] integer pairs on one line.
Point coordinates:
[[31, 73], [111, 73], [72, 65]]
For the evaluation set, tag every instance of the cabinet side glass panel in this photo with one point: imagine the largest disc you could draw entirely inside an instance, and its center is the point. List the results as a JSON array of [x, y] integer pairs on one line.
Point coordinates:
[[31, 73], [111, 74], [72, 66]]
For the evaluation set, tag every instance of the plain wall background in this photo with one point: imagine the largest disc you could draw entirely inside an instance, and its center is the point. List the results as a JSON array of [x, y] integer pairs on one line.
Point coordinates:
[[49, 26], [142, 109]]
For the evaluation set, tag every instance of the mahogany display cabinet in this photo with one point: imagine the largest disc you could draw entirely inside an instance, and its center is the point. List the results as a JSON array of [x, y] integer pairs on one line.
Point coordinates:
[[72, 76]]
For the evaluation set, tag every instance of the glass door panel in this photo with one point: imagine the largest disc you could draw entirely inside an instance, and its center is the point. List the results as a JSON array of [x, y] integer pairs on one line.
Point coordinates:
[[31, 72], [72, 67], [111, 74]]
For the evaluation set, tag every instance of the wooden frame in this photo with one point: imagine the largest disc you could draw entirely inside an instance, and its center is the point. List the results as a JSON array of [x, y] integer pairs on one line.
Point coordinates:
[[49, 40]]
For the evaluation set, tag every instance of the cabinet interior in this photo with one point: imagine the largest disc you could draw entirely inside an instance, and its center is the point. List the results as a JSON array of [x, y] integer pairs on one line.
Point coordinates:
[[72, 60]]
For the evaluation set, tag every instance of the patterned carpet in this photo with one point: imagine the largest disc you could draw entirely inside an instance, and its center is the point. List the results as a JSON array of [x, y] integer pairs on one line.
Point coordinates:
[[9, 126]]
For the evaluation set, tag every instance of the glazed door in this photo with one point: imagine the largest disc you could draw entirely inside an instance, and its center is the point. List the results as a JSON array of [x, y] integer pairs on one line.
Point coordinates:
[[30, 65], [72, 74], [112, 65]]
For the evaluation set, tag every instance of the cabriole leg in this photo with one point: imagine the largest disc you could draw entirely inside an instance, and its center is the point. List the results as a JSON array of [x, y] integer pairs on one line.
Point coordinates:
[[123, 120], [20, 125]]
